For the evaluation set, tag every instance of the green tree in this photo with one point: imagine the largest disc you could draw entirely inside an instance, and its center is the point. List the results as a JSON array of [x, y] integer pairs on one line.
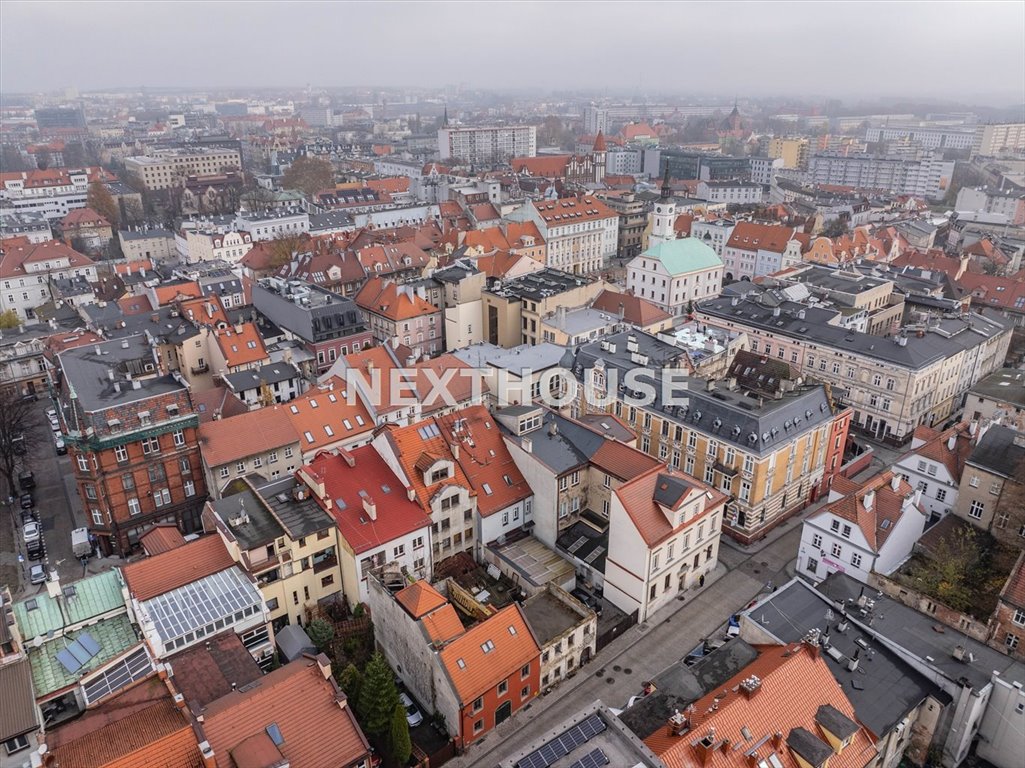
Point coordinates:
[[321, 633], [309, 175], [100, 200], [399, 744], [9, 319], [351, 681], [378, 697]]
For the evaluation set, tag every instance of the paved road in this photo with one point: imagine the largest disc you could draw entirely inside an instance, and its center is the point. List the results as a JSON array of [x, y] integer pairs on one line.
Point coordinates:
[[641, 653]]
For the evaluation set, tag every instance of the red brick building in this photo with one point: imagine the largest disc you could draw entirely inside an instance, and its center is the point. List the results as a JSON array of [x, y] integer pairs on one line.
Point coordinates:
[[132, 437], [1007, 625]]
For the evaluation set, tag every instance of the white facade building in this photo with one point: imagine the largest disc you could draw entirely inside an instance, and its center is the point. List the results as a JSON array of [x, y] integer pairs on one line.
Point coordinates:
[[582, 233], [674, 273], [487, 144], [714, 233], [730, 192], [26, 271], [52, 193], [928, 177], [934, 464], [273, 224]]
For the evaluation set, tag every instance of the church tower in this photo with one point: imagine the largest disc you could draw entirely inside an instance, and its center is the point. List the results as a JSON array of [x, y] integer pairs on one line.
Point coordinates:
[[598, 158], [664, 218]]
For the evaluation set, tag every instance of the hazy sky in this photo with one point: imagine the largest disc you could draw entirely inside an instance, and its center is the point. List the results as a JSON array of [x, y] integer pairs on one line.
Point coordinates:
[[968, 51]]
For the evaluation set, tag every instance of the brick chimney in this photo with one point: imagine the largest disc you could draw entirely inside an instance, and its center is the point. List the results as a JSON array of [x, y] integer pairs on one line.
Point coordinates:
[[370, 507]]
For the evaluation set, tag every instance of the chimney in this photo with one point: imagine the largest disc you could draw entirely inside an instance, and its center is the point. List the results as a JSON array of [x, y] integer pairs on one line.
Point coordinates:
[[410, 494], [869, 500], [454, 447], [705, 748], [951, 442], [370, 507], [208, 754], [777, 740], [852, 665], [750, 686], [324, 663], [895, 483], [972, 428]]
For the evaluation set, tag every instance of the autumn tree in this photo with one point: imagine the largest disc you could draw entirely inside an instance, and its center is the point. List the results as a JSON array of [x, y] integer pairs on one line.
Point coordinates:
[[9, 319], [100, 200], [283, 247], [309, 175]]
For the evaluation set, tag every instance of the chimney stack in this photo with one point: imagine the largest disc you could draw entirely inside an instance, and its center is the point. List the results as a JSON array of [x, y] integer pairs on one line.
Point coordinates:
[[895, 483], [207, 753], [370, 507], [869, 500]]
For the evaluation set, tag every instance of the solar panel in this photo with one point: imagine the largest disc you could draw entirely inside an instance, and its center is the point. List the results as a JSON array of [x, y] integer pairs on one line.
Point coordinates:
[[89, 643], [69, 661], [592, 759]]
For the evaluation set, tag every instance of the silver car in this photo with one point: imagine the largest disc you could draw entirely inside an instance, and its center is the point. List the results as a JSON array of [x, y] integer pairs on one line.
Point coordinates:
[[413, 715]]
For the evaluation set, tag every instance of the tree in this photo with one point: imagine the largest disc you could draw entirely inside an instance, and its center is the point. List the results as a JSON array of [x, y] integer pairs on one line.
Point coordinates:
[[378, 697], [320, 632], [351, 681], [9, 319], [74, 155], [100, 200], [283, 247], [20, 432], [43, 159], [309, 175], [399, 744], [132, 210], [11, 160]]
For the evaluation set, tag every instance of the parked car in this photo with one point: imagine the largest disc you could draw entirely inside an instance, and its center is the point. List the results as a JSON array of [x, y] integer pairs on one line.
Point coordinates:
[[58, 443], [29, 516], [31, 531], [36, 549], [27, 502], [30, 397], [413, 715], [27, 480], [37, 574], [55, 424]]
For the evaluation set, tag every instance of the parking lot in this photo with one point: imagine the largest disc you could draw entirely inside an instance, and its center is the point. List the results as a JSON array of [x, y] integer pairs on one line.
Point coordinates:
[[59, 511]]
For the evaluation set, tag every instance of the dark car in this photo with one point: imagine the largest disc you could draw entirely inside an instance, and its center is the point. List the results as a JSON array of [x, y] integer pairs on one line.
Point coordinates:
[[27, 502], [27, 481], [29, 516], [36, 549]]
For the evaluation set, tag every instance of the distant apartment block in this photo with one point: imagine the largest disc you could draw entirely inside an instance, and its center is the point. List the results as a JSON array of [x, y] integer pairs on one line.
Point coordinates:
[[163, 168], [487, 144], [993, 140], [928, 177]]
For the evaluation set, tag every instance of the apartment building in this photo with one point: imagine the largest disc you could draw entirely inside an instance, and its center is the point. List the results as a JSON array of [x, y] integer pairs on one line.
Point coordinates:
[[997, 139], [486, 145], [398, 314], [285, 542], [999, 396], [733, 192], [754, 249], [565, 629], [793, 152], [165, 168], [261, 443], [633, 220], [991, 484], [27, 269], [581, 233], [894, 384], [273, 225], [927, 177], [935, 463], [51, 193], [133, 440], [674, 274]]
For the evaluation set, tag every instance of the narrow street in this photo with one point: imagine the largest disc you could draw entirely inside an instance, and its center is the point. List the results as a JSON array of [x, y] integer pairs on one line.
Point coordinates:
[[621, 668]]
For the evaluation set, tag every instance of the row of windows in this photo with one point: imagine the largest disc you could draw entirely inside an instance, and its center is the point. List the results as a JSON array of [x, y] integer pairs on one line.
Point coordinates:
[[242, 466]]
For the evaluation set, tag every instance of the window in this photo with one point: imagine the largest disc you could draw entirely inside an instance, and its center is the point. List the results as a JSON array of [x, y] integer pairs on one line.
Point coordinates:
[[974, 482], [813, 565], [150, 445], [179, 438], [97, 516], [525, 672], [127, 482], [133, 507], [563, 483], [525, 690], [856, 560], [288, 452], [478, 725], [83, 462], [190, 488], [816, 541], [749, 465], [745, 490], [941, 494], [503, 688], [121, 453], [257, 462], [90, 492], [225, 471], [835, 526], [994, 488], [837, 550], [272, 457], [16, 744], [156, 472], [161, 497], [399, 551], [184, 464], [1019, 617], [975, 511], [478, 703], [1011, 642], [327, 581]]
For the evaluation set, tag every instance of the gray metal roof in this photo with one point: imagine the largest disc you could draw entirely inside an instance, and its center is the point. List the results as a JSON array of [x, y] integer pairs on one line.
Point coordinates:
[[539, 285], [293, 642], [887, 686], [300, 518], [268, 374], [1006, 385], [997, 451]]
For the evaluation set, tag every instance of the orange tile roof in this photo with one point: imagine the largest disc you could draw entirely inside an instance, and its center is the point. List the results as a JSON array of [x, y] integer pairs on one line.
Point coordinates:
[[420, 598], [326, 407], [473, 670], [392, 184], [168, 294], [751, 236], [135, 305], [392, 257], [15, 253], [183, 565], [205, 311], [936, 447], [500, 263], [162, 537], [223, 441], [442, 624], [348, 480], [460, 387], [411, 448], [140, 727], [637, 130], [683, 223], [484, 212], [888, 505], [773, 708], [636, 311], [516, 231], [78, 217], [545, 166], [573, 210], [638, 499], [485, 459], [241, 345], [621, 461], [317, 732], [489, 239], [383, 359], [1014, 589], [391, 300]]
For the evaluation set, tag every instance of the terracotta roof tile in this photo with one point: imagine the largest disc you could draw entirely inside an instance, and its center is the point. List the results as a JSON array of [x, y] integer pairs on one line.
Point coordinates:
[[226, 440], [638, 499], [500, 263], [420, 598], [241, 345], [162, 537], [573, 210], [937, 447], [621, 461], [887, 505], [750, 722], [443, 624], [391, 300], [183, 565], [205, 672], [78, 217], [460, 386], [323, 416], [352, 478], [313, 716], [1014, 589], [410, 444], [15, 253], [474, 670], [168, 294], [636, 311], [751, 236]]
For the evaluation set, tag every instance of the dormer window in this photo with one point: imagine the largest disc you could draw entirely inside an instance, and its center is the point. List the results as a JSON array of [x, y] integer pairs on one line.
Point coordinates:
[[439, 474]]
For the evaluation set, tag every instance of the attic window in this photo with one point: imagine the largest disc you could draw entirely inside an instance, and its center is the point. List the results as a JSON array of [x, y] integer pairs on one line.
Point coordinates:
[[329, 431], [332, 398], [313, 403], [512, 630], [460, 663], [347, 423], [308, 436], [359, 420], [31, 605], [487, 489], [487, 646], [508, 480], [275, 734], [293, 409]]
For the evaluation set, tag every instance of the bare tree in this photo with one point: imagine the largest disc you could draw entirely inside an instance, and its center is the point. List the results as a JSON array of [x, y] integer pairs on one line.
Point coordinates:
[[309, 175], [21, 431]]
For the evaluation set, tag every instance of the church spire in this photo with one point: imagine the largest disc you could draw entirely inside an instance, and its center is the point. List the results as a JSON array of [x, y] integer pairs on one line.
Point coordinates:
[[667, 191], [445, 123]]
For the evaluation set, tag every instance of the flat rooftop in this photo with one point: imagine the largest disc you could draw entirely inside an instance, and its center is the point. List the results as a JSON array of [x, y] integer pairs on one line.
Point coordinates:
[[1006, 385], [535, 562], [548, 617]]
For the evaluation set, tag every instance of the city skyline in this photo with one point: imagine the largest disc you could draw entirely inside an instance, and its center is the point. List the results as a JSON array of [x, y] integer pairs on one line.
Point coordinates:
[[778, 49]]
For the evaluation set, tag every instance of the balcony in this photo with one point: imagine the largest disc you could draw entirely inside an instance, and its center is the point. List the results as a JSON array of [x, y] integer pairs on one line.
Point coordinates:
[[200, 368]]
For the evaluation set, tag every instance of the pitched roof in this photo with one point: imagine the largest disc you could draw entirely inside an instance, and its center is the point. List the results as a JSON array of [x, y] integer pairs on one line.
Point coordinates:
[[183, 565], [937, 447], [18, 714], [168, 294], [442, 624], [205, 672], [749, 722], [354, 478], [226, 440], [1014, 590], [241, 345], [162, 537], [573, 210], [547, 166], [500, 263], [418, 446], [641, 497], [141, 726], [621, 461], [316, 724], [460, 385], [16, 253], [685, 254], [751, 236], [420, 598], [324, 417], [78, 217], [636, 311], [474, 665], [878, 520], [391, 300]]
